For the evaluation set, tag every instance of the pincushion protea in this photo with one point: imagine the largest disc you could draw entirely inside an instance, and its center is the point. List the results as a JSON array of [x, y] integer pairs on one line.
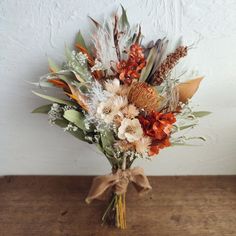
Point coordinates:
[[144, 97]]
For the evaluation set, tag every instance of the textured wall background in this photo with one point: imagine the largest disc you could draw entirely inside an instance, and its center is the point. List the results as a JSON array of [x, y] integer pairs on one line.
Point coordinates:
[[31, 30]]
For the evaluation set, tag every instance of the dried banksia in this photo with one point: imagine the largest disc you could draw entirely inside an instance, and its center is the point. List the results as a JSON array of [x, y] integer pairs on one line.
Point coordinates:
[[144, 97], [168, 64]]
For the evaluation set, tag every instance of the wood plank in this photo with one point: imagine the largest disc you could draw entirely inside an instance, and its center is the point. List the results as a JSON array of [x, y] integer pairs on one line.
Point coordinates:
[[54, 205]]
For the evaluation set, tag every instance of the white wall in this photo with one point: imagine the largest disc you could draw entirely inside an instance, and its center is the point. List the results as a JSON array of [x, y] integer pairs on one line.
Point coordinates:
[[32, 29]]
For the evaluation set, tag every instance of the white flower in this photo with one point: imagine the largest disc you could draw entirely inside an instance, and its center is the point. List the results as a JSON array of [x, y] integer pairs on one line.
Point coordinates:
[[109, 109], [115, 88], [112, 86], [119, 102], [130, 130], [130, 111], [142, 145], [106, 111]]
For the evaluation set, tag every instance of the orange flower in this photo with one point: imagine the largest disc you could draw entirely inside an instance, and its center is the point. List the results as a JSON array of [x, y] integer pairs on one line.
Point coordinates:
[[131, 69], [158, 127]]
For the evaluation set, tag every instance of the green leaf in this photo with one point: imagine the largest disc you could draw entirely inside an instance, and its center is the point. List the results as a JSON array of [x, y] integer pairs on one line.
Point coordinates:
[[183, 144], [80, 40], [201, 113], [124, 19], [43, 109], [77, 134], [43, 84], [107, 139], [53, 66], [186, 126], [61, 122], [150, 61], [99, 146], [53, 99], [80, 69], [68, 53], [75, 117]]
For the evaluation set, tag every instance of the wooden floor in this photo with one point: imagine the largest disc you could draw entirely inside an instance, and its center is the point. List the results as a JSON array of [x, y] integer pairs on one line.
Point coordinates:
[[177, 206]]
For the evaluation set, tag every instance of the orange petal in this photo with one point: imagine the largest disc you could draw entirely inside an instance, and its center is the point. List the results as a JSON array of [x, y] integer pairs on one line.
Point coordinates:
[[77, 96], [58, 83]]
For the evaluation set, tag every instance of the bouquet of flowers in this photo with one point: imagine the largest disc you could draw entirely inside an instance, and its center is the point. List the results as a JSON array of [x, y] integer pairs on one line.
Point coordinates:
[[124, 97]]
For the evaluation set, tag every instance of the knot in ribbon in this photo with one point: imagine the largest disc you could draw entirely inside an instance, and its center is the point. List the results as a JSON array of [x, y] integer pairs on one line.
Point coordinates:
[[117, 182]]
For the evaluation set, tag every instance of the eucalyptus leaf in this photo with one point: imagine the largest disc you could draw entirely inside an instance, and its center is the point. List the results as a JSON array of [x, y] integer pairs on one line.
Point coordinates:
[[78, 134], [53, 99], [201, 113], [61, 122], [75, 117], [107, 139], [42, 109]]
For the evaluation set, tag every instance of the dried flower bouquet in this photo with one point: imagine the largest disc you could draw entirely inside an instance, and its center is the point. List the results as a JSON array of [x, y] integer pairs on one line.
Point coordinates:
[[126, 99]]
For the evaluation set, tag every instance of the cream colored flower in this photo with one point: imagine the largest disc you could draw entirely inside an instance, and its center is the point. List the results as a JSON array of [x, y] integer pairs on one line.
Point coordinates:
[[115, 88], [130, 111], [142, 145], [110, 109], [130, 130], [106, 111], [119, 102], [112, 86]]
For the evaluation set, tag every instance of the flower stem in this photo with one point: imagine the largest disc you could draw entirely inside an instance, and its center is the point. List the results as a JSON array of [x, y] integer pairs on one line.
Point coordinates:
[[105, 215]]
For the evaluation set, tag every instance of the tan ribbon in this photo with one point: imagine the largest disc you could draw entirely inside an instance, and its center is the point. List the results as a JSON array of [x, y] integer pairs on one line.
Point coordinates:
[[118, 182]]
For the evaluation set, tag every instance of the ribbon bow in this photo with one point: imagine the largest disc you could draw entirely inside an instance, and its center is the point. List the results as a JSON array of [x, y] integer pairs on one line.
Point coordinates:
[[118, 182]]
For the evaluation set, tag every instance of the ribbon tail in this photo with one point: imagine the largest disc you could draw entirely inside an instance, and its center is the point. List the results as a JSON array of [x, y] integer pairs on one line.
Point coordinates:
[[101, 188], [140, 180]]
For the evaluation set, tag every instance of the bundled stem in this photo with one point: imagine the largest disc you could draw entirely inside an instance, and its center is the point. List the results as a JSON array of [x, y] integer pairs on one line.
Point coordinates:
[[115, 213]]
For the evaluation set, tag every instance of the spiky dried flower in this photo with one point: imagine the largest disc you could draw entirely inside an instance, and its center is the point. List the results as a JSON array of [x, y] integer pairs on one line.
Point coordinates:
[[168, 64], [130, 111], [142, 146], [124, 145], [144, 96]]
